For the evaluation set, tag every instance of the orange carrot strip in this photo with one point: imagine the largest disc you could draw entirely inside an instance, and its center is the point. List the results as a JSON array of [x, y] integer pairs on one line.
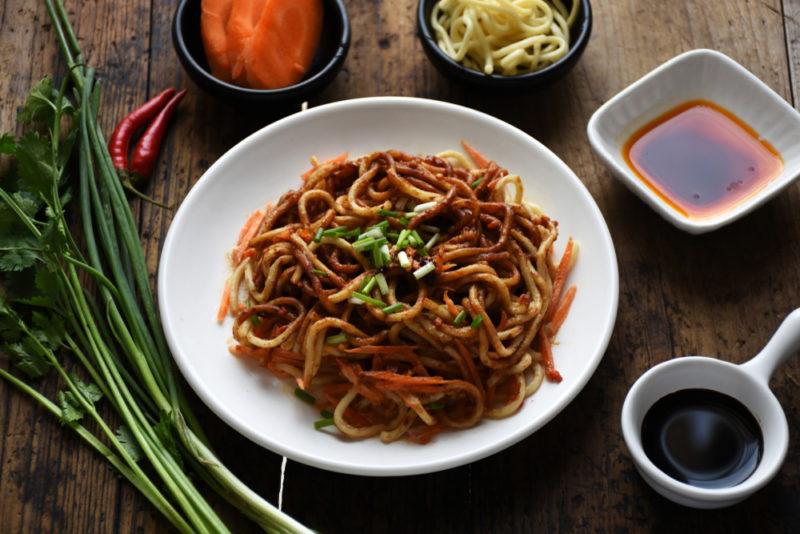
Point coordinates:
[[561, 314], [480, 160], [225, 302], [561, 277], [547, 354], [214, 16], [244, 17], [451, 307]]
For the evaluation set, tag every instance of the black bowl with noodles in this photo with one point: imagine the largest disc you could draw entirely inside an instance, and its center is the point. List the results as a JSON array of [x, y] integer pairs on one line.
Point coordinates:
[[579, 37], [329, 58]]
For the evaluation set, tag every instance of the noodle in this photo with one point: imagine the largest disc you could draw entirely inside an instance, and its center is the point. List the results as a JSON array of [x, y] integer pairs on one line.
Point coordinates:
[[508, 37], [405, 294]]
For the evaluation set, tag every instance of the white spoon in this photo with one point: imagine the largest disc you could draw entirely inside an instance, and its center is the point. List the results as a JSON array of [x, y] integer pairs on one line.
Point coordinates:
[[748, 383]]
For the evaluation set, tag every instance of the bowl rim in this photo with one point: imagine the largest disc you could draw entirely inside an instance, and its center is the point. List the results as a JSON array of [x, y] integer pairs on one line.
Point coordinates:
[[607, 319], [303, 85], [632, 182], [631, 435], [428, 39]]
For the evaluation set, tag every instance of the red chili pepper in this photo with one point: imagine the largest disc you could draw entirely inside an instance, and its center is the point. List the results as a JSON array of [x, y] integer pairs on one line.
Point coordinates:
[[120, 141], [146, 151]]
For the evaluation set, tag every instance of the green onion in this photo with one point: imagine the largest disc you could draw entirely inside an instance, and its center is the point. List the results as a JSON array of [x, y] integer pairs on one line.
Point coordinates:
[[384, 250], [476, 183], [364, 244], [426, 206], [401, 240], [460, 318], [367, 289], [319, 272], [402, 257], [424, 270], [382, 285], [322, 423], [383, 225], [435, 406], [335, 232], [366, 280], [318, 235], [377, 257], [418, 242], [372, 232], [369, 300], [404, 220], [388, 213], [432, 241], [304, 396], [393, 308], [352, 234], [335, 340], [327, 414], [393, 236], [476, 322], [428, 228], [255, 319], [411, 214]]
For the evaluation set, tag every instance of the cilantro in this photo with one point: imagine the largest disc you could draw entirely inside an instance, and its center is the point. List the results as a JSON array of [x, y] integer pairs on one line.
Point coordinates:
[[164, 432], [128, 442], [27, 359], [7, 144], [71, 410], [40, 106], [90, 391]]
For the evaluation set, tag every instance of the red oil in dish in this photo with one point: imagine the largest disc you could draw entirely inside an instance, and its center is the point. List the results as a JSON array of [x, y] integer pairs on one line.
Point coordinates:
[[701, 159]]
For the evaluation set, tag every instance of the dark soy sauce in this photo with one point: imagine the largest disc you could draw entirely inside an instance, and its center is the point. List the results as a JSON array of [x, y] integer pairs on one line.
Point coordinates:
[[703, 438]]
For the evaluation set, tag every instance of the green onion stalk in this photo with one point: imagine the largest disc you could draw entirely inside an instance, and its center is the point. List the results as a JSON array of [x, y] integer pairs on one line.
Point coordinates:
[[113, 332]]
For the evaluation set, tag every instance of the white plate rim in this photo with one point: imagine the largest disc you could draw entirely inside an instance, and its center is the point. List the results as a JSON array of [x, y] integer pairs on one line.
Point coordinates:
[[320, 461]]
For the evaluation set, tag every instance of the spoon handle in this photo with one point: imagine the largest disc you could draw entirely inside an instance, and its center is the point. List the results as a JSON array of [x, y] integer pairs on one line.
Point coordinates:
[[785, 342]]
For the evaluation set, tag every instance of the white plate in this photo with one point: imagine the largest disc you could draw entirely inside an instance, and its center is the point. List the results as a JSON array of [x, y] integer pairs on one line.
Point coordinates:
[[266, 164]]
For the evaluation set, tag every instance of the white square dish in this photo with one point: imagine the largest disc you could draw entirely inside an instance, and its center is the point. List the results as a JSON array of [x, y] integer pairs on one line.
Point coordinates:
[[697, 75]]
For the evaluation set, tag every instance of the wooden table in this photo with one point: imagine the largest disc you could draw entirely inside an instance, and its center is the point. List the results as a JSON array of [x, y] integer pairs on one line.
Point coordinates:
[[720, 294]]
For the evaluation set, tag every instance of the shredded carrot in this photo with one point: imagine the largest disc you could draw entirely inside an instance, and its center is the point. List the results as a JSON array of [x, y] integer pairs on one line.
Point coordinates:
[[479, 159], [561, 277], [341, 158], [246, 234], [451, 307], [547, 354], [305, 235], [225, 302], [382, 349], [423, 434], [558, 318], [214, 15]]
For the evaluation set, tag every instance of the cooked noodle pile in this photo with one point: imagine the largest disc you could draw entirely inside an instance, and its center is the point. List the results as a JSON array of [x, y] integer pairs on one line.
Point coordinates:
[[402, 294]]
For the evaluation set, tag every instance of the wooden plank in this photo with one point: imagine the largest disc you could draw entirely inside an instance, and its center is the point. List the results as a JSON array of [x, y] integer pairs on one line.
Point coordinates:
[[791, 27]]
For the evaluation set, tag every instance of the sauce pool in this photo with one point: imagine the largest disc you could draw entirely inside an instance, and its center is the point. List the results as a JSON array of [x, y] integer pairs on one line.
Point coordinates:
[[703, 438], [701, 159]]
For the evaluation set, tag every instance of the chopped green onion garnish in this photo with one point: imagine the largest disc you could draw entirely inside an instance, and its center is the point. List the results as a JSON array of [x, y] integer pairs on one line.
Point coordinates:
[[327, 414], [417, 239], [401, 240], [382, 285], [388, 213], [367, 289], [372, 232], [393, 308], [387, 257], [369, 300], [435, 406], [404, 220], [411, 214], [432, 241], [322, 423], [377, 257], [426, 206], [319, 272], [255, 319], [393, 236], [383, 225], [352, 234], [304, 396], [402, 257], [364, 244], [476, 183], [424, 270], [428, 228], [476, 322], [460, 318], [335, 340], [335, 232], [366, 280], [318, 235]]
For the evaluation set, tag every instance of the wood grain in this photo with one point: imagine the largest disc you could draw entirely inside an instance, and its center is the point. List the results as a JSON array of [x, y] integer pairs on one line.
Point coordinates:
[[721, 294]]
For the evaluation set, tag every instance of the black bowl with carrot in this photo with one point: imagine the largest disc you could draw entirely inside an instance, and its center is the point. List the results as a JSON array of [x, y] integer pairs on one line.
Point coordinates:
[[255, 51]]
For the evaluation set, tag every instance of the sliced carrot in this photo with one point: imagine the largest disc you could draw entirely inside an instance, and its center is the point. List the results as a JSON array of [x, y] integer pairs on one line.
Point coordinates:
[[246, 234], [561, 314], [225, 302], [451, 307], [214, 15], [561, 277], [283, 43], [241, 27], [480, 160], [547, 354], [341, 158]]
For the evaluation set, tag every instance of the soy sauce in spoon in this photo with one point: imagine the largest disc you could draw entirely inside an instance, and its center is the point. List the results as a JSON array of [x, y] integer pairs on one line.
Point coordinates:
[[703, 438]]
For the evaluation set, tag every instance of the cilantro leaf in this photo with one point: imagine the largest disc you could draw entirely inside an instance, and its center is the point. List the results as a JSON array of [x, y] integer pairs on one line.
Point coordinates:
[[71, 410], [27, 358], [89, 390], [7, 144], [164, 431], [48, 329], [35, 165], [17, 259], [128, 442]]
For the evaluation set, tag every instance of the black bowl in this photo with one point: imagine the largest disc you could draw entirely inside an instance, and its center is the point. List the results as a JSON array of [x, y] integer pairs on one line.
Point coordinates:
[[579, 34], [331, 52]]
